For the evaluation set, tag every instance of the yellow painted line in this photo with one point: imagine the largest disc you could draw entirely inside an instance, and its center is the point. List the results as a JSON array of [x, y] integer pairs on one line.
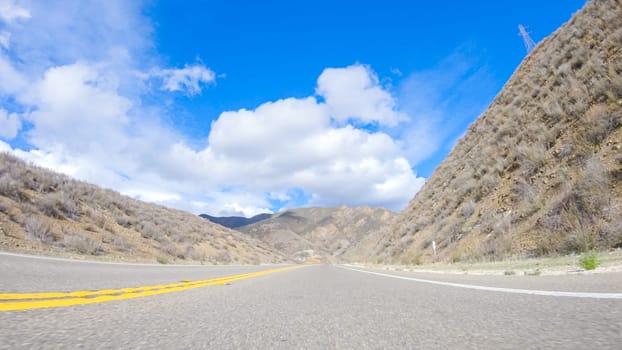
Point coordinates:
[[24, 301], [50, 295]]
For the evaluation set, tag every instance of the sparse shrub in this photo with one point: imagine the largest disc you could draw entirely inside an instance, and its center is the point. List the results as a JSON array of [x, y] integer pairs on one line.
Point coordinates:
[[467, 208], [612, 228], [81, 243], [496, 245], [125, 221], [532, 156], [8, 186], [601, 122], [580, 237], [121, 244], [38, 230], [502, 223], [195, 254], [523, 191], [5, 206], [589, 261], [169, 248], [58, 205], [565, 150], [149, 230]]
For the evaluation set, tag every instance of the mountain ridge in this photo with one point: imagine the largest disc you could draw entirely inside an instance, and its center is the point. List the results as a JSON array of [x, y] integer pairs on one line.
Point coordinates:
[[235, 221], [343, 234]]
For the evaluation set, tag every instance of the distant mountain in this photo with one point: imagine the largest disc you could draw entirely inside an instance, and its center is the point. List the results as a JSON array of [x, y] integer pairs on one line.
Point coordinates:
[[235, 221], [43, 211], [337, 234]]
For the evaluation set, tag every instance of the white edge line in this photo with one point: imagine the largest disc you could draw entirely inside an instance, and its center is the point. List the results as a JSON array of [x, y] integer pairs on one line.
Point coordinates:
[[497, 289]]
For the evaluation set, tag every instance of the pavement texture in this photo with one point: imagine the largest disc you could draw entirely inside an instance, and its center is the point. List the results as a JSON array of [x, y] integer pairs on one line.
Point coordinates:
[[314, 307]]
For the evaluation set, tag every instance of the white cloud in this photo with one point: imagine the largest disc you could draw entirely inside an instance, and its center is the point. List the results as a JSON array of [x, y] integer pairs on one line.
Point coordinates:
[[354, 92], [10, 11], [224, 203], [291, 143], [81, 94], [78, 109], [188, 79], [270, 130], [5, 147], [9, 124], [5, 39], [12, 81], [236, 209], [150, 195], [62, 32], [49, 160]]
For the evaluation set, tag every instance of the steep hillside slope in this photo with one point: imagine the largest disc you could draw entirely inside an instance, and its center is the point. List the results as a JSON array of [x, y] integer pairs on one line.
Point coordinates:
[[45, 211], [235, 221], [341, 234], [540, 172]]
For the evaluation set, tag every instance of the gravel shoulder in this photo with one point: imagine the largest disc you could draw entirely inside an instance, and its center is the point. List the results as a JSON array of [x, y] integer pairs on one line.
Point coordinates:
[[564, 265]]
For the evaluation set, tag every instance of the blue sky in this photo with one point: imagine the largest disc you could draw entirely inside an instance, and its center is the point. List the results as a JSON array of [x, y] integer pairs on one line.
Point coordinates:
[[234, 108]]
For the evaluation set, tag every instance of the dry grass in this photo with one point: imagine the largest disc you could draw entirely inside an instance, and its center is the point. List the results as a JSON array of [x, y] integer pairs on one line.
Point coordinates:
[[339, 234], [540, 172], [568, 264], [45, 211]]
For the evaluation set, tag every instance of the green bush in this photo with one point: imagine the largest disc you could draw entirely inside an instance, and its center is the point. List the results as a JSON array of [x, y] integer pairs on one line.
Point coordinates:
[[589, 261]]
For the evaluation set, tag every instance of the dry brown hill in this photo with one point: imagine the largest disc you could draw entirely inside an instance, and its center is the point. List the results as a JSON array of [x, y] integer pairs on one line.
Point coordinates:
[[540, 172], [337, 234], [42, 211]]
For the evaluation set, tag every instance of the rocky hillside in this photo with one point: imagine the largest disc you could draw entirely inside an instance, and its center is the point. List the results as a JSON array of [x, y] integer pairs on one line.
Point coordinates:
[[42, 211], [336, 234], [540, 172]]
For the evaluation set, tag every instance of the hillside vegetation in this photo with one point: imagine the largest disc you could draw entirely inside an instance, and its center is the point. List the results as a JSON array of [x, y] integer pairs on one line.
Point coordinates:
[[44, 211], [334, 234], [540, 172]]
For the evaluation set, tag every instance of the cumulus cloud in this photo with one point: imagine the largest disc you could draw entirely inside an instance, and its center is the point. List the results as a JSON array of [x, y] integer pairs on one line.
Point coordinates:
[[232, 203], [9, 124], [5, 39], [291, 143], [10, 11], [12, 81], [188, 79], [75, 103], [82, 99], [355, 92]]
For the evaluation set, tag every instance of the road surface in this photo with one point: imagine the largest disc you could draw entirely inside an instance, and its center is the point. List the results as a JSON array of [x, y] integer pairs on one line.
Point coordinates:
[[308, 307]]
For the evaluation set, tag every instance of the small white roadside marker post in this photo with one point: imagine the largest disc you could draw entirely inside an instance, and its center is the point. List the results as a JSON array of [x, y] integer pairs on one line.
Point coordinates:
[[434, 249]]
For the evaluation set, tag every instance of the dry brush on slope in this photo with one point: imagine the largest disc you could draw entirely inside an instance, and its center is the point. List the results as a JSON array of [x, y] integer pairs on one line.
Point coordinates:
[[44, 211], [540, 172], [337, 234]]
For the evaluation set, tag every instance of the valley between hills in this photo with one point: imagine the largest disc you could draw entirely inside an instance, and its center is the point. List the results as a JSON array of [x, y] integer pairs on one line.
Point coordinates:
[[538, 174]]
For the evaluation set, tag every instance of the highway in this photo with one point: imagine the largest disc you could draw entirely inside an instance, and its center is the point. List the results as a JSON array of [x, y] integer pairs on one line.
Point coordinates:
[[304, 307]]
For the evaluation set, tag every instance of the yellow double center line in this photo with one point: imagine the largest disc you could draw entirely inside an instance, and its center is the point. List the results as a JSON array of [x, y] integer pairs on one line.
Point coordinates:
[[29, 301]]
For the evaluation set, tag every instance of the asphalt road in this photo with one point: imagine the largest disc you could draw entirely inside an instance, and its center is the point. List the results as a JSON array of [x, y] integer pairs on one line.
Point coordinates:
[[312, 307]]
